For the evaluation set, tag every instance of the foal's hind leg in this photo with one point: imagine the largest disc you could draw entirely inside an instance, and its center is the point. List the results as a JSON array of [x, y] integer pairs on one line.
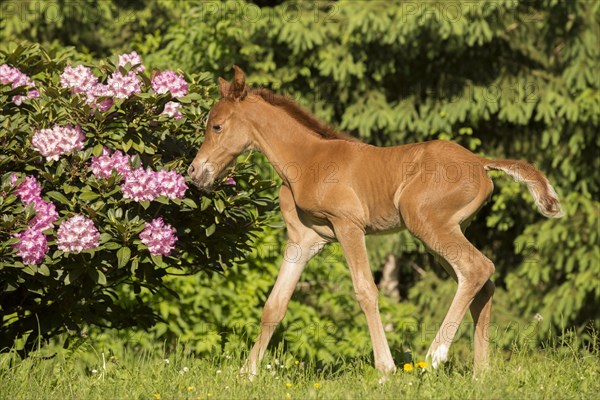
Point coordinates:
[[472, 271], [481, 310]]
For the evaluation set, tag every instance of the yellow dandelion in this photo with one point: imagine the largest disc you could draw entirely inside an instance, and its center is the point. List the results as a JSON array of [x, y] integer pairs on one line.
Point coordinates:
[[317, 385], [190, 388], [422, 364], [408, 367], [288, 385], [288, 396], [208, 394], [157, 396], [296, 362]]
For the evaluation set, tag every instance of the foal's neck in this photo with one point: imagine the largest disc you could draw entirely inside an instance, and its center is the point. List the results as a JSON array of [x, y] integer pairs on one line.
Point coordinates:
[[287, 143]]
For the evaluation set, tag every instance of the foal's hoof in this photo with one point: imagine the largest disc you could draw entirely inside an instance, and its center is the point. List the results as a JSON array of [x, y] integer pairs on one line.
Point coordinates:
[[251, 375], [438, 356], [386, 372]]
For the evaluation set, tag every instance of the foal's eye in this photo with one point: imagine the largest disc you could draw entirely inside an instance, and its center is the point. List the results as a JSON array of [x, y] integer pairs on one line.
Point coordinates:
[[217, 127]]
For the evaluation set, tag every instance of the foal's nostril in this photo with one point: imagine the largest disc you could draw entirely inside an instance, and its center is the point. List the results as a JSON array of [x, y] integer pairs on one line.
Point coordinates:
[[191, 170]]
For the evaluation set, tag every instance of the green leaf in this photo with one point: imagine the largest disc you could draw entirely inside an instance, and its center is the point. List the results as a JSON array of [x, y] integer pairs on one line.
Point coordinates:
[[157, 260], [97, 150], [43, 269], [190, 203], [105, 237], [123, 255], [61, 198], [210, 230], [219, 205], [88, 196], [97, 276], [112, 246]]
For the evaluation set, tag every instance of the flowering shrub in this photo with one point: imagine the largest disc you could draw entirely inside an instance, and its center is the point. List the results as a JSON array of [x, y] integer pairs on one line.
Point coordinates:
[[93, 198]]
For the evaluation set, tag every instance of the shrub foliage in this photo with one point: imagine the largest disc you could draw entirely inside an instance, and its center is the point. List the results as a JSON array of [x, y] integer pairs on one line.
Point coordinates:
[[81, 273]]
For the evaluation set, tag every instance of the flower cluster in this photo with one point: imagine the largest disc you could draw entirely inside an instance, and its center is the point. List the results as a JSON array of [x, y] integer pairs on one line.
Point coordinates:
[[77, 234], [32, 245], [102, 166], [81, 80], [29, 190], [169, 81], [51, 143], [133, 59], [122, 85], [159, 237], [172, 110], [14, 77], [140, 185], [45, 214]]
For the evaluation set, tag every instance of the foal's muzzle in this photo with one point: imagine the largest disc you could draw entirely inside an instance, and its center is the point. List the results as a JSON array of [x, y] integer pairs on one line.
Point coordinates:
[[202, 175]]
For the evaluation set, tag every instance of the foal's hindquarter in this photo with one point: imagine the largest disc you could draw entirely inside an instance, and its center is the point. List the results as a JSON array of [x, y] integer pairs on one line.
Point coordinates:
[[341, 190]]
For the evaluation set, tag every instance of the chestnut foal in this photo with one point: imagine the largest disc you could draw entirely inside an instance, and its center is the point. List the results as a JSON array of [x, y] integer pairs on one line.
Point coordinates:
[[335, 188]]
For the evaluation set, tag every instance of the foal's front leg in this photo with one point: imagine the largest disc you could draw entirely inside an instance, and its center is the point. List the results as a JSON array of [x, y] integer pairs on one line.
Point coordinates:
[[352, 240], [297, 255]]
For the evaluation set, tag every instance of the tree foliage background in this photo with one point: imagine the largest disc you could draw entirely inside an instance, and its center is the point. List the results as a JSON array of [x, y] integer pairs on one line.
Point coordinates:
[[506, 79]]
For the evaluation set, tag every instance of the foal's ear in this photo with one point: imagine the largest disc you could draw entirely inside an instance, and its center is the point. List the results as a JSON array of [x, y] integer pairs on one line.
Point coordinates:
[[224, 87], [238, 89]]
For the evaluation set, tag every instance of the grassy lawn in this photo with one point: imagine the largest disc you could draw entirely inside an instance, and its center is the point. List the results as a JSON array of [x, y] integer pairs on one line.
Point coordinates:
[[561, 372]]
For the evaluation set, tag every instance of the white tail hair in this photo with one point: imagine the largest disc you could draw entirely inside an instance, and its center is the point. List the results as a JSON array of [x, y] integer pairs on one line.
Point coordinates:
[[544, 195]]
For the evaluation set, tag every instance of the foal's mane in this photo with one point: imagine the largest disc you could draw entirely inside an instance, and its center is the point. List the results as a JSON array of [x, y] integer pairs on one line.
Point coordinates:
[[301, 115]]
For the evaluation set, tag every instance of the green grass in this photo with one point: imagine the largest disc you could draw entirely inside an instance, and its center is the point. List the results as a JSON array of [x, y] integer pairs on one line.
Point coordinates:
[[560, 371]]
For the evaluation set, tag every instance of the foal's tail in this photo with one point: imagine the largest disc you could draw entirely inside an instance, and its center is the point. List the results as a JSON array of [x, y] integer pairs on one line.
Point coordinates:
[[543, 193]]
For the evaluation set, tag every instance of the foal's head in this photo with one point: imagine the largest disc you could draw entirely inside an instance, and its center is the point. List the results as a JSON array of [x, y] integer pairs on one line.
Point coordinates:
[[227, 133]]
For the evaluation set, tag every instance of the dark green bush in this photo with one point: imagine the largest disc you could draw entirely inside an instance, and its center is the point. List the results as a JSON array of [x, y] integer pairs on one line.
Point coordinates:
[[68, 289]]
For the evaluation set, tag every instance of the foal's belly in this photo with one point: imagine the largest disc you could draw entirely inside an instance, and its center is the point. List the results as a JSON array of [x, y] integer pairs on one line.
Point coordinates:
[[388, 222]]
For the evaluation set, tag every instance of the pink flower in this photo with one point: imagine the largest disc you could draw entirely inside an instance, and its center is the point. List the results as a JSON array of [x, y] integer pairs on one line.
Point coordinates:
[[172, 110], [123, 86], [132, 59], [8, 74], [170, 184], [140, 185], [159, 237], [80, 79], [102, 166], [14, 77], [46, 215], [32, 94], [77, 234], [169, 81], [230, 181], [52, 143], [29, 190], [100, 90], [32, 246]]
